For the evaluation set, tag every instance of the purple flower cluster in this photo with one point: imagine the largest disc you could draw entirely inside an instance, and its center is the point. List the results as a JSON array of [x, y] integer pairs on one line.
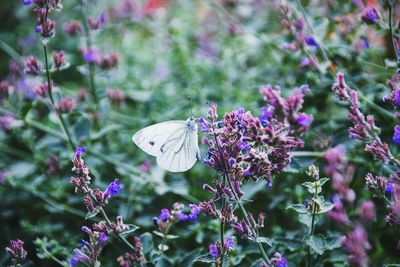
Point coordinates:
[[104, 62], [134, 257], [116, 96], [357, 244], [340, 171], [243, 147], [216, 250], [178, 213], [16, 251], [364, 128], [302, 39], [93, 199], [90, 250], [45, 26]]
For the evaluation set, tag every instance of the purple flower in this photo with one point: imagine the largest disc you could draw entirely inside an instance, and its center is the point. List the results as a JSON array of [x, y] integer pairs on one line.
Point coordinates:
[[389, 188], [304, 120], [102, 239], [282, 262], [244, 146], [370, 15], [396, 138], [102, 18], [190, 214], [113, 188], [396, 97], [80, 257], [203, 124], [304, 62], [213, 251], [27, 2], [311, 41], [16, 250], [155, 220], [164, 215], [229, 243], [79, 150]]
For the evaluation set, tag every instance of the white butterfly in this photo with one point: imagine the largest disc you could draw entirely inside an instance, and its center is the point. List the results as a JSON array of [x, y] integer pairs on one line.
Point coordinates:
[[173, 143]]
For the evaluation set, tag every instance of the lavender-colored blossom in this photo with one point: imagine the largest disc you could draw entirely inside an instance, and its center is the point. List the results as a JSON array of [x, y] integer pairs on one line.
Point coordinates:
[[214, 251], [80, 150], [305, 62], [113, 188], [304, 120], [16, 250], [370, 15], [72, 28], [65, 105], [190, 214], [310, 41], [27, 2], [390, 188], [367, 211], [278, 260], [229, 243], [164, 215], [357, 245]]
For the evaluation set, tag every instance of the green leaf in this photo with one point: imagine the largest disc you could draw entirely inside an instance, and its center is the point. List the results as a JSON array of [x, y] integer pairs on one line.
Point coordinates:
[[332, 243], [91, 214], [147, 242], [316, 184], [324, 206], [317, 243], [291, 243], [21, 169], [190, 258], [205, 258], [265, 240], [81, 129], [299, 208], [132, 228]]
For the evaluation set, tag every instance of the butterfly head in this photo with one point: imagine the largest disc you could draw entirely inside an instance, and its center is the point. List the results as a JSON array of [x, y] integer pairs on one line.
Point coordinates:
[[191, 123]]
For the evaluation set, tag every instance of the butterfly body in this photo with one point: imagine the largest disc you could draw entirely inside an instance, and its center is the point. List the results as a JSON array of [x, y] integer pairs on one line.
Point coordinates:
[[173, 143]]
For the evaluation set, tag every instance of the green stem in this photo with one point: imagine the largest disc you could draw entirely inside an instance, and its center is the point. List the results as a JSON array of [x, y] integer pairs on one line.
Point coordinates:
[[119, 236], [244, 212], [305, 17], [51, 256], [50, 89], [313, 214], [90, 65]]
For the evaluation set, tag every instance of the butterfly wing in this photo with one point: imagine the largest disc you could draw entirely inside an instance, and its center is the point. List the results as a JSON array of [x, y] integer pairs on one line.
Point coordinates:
[[152, 138], [180, 154]]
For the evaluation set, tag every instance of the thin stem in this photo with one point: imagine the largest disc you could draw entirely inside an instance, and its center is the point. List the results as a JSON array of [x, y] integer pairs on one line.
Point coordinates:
[[391, 7], [50, 89], [313, 215], [90, 65], [244, 212], [321, 45], [50, 255], [119, 236]]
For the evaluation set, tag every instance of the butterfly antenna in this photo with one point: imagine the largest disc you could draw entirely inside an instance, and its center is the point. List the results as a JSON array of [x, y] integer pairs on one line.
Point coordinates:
[[190, 105]]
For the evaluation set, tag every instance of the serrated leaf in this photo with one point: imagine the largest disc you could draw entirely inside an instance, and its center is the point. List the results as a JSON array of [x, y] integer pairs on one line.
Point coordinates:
[[265, 240], [317, 243], [132, 228], [299, 208], [91, 214], [205, 258], [316, 184], [81, 129], [324, 206]]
